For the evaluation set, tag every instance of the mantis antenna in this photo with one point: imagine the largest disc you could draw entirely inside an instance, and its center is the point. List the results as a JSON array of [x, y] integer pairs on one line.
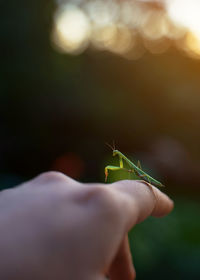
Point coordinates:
[[112, 147]]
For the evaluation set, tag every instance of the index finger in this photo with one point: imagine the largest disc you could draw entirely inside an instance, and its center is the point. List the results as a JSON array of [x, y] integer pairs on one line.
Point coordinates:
[[140, 200]]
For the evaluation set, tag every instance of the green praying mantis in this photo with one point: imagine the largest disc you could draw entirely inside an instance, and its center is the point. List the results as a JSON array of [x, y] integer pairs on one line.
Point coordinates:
[[135, 169]]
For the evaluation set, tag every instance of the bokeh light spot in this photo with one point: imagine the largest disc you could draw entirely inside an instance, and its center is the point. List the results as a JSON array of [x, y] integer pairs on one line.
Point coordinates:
[[113, 25], [72, 29]]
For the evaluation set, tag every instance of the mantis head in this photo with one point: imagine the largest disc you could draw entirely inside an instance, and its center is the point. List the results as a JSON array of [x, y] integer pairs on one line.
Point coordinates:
[[115, 152]]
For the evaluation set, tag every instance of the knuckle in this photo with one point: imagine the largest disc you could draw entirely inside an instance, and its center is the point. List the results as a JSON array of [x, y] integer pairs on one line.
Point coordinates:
[[52, 176], [107, 200], [102, 193]]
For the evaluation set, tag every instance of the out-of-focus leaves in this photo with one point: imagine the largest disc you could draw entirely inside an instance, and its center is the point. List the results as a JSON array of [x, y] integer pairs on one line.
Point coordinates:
[[168, 247]]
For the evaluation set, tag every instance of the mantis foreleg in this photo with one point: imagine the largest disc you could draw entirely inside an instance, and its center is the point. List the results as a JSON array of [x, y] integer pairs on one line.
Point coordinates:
[[121, 162], [115, 168]]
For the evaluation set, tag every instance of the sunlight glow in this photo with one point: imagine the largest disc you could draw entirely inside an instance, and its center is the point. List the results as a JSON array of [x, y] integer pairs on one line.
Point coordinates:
[[185, 13], [192, 44]]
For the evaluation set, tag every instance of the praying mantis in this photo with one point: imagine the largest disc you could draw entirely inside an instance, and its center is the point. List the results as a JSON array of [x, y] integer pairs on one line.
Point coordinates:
[[135, 169]]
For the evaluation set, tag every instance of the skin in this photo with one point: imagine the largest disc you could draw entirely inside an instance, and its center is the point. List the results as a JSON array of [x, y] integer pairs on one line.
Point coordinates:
[[53, 227]]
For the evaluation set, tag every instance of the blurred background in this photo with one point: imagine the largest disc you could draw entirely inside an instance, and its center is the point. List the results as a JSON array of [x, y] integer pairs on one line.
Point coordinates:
[[76, 74]]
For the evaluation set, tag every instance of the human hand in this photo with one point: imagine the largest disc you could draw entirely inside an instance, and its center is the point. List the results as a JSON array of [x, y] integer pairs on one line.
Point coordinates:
[[53, 227]]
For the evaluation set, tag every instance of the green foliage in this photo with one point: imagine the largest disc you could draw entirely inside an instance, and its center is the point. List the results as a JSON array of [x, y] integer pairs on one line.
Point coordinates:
[[168, 247]]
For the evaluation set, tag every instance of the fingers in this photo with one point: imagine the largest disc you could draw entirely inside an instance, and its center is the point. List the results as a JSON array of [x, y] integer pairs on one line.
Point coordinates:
[[138, 201], [122, 266], [163, 204]]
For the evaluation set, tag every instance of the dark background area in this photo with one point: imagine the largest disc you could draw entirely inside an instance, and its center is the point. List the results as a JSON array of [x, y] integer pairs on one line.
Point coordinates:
[[58, 110]]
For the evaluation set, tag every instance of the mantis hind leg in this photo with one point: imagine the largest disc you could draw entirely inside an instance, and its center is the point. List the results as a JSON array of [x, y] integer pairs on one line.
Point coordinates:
[[145, 177], [139, 164]]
